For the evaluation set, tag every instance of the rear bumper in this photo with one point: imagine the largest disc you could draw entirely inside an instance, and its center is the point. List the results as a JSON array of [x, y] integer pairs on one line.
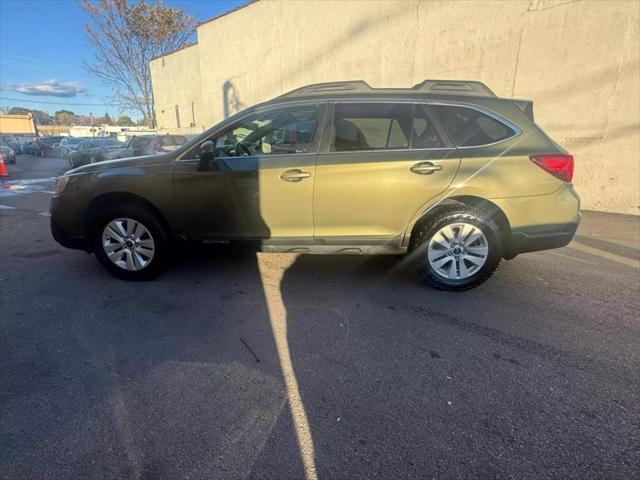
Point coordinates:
[[541, 237]]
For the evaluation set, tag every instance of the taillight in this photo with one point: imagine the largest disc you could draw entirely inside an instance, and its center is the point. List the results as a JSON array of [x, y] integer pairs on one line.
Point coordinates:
[[558, 165]]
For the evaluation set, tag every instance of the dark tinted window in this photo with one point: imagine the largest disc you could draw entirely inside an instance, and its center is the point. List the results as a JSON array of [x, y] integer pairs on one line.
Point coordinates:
[[424, 133], [371, 126], [468, 127], [171, 140], [142, 142]]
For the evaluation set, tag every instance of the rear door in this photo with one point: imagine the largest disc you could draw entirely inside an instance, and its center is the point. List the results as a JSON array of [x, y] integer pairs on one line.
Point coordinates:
[[380, 163]]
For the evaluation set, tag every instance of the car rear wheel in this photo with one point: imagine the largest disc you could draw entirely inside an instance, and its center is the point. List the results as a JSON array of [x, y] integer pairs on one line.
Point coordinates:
[[131, 242], [457, 250]]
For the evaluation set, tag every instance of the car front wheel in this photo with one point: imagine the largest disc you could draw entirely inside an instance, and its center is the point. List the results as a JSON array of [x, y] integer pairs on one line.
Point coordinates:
[[131, 243], [456, 250]]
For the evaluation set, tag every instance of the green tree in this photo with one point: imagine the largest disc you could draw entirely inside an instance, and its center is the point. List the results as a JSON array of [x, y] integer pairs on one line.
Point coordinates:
[[40, 117], [107, 119], [18, 111], [64, 117], [126, 35], [124, 121]]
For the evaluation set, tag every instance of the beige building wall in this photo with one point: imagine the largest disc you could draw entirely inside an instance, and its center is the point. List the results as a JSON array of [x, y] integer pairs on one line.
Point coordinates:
[[577, 60], [177, 92]]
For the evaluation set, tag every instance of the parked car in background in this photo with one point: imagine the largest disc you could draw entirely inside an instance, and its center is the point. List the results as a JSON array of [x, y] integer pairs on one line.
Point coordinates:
[[23, 140], [7, 154], [11, 142], [94, 150], [152, 145], [48, 146], [30, 147], [69, 144], [445, 171]]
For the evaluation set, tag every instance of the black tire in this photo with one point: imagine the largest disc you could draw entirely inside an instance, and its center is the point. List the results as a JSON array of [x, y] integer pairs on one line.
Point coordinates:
[[155, 229], [442, 217]]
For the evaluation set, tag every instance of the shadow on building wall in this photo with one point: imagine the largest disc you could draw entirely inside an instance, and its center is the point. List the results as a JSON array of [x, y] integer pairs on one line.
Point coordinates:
[[230, 99]]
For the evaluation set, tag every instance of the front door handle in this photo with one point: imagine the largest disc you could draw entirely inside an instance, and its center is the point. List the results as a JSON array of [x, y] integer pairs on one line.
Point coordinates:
[[425, 168], [294, 175]]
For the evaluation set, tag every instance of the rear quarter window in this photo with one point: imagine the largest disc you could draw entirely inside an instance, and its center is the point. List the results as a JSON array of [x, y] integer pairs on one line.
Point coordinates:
[[468, 127]]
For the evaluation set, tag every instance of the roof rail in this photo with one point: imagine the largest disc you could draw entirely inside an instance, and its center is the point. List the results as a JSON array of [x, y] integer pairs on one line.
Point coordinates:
[[349, 86], [455, 87], [446, 87]]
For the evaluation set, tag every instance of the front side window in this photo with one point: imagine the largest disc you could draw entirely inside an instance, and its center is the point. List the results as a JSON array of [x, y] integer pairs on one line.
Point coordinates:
[[276, 132], [382, 126], [468, 127]]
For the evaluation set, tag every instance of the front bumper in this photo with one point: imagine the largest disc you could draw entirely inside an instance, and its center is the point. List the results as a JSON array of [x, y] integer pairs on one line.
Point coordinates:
[[66, 222], [67, 240]]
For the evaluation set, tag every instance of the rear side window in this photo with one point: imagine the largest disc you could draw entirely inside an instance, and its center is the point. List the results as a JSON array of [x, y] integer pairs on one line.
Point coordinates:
[[382, 126], [370, 126], [468, 127]]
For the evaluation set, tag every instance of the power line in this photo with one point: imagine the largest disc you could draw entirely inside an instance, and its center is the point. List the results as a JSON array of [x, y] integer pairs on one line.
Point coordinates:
[[60, 103]]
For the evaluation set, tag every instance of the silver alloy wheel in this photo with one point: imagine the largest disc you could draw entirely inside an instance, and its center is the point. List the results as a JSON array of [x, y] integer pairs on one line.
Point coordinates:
[[457, 251], [128, 244]]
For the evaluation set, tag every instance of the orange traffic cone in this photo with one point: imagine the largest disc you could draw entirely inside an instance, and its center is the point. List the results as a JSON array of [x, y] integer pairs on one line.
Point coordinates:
[[3, 169]]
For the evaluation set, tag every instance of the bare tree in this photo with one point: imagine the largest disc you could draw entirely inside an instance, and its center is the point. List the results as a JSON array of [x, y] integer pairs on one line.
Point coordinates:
[[126, 36]]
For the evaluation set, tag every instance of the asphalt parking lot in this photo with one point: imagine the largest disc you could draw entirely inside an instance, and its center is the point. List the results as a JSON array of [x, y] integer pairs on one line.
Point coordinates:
[[234, 365]]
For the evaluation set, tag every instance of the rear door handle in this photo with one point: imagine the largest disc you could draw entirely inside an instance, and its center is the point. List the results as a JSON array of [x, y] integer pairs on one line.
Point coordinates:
[[294, 175], [425, 168]]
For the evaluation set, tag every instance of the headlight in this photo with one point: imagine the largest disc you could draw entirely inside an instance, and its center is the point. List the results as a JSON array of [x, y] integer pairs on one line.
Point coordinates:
[[61, 184]]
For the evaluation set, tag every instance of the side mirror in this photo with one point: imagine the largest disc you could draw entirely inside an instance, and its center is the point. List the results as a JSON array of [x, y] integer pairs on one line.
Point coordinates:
[[207, 154]]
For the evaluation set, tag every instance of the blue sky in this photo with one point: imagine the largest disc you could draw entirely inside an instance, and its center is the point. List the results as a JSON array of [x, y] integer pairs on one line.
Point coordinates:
[[42, 48]]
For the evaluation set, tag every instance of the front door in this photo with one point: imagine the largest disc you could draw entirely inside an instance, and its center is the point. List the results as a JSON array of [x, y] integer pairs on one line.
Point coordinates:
[[381, 163], [260, 184]]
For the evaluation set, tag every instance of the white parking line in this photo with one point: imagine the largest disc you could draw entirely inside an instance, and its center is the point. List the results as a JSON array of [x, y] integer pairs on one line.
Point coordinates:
[[6, 207]]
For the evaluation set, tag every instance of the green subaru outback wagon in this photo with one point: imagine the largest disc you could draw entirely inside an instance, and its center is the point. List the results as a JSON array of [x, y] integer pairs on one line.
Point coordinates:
[[444, 172]]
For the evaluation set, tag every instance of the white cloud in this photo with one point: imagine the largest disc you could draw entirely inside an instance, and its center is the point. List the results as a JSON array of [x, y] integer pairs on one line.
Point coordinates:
[[49, 88]]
